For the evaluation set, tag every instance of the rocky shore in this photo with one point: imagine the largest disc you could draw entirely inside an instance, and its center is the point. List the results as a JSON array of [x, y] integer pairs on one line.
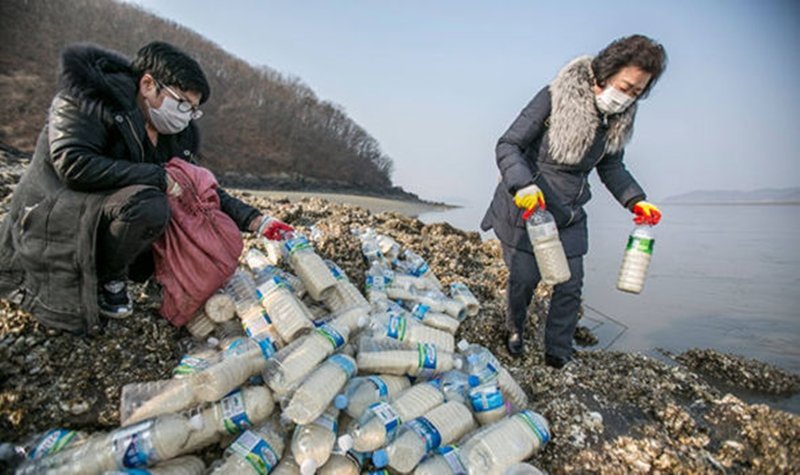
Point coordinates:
[[610, 412]]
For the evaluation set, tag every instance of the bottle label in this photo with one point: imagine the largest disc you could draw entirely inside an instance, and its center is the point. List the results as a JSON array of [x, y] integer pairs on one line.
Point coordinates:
[[332, 335], [640, 244], [297, 244], [256, 451], [419, 311], [387, 415], [132, 446], [345, 363], [51, 442], [268, 286], [266, 345], [451, 456], [427, 359], [337, 271], [540, 432], [235, 348], [486, 399], [487, 373], [396, 328], [427, 432], [234, 416], [375, 283], [327, 422], [257, 325], [421, 270], [380, 387], [190, 365]]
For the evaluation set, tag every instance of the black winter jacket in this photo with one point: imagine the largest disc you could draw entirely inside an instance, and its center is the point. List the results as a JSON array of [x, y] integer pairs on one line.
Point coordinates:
[[92, 145]]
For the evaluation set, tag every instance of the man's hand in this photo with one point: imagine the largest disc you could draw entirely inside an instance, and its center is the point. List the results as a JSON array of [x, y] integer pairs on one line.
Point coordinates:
[[529, 198], [271, 228], [646, 213], [173, 188]]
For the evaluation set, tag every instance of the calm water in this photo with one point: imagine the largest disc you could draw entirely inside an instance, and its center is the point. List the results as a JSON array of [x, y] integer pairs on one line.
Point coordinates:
[[723, 277]]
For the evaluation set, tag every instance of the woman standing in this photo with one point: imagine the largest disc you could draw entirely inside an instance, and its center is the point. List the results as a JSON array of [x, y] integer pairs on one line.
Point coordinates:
[[581, 121]]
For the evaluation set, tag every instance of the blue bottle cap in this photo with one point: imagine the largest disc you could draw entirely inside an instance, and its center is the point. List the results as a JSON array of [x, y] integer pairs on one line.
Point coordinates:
[[380, 458], [340, 401], [473, 381]]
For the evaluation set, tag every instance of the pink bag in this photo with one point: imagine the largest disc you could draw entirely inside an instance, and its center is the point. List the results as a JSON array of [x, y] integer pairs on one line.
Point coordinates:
[[200, 249]]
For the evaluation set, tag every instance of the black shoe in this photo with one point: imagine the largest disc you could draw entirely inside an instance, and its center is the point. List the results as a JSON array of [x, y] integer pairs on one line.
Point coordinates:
[[556, 362], [515, 344], [114, 300]]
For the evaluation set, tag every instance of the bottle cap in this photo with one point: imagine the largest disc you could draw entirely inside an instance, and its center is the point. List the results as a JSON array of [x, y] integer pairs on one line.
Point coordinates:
[[196, 422], [473, 381], [362, 322], [340, 401], [308, 467], [346, 442], [463, 345], [380, 458], [458, 363], [212, 341]]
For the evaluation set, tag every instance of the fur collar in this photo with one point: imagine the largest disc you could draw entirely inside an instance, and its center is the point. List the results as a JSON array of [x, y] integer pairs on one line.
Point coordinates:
[[97, 76], [574, 117]]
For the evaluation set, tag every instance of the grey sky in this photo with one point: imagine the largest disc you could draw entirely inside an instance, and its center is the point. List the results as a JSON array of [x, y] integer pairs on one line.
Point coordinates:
[[438, 82]]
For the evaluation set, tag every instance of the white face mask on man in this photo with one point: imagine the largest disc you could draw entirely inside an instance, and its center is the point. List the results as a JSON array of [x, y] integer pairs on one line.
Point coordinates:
[[169, 119], [613, 101]]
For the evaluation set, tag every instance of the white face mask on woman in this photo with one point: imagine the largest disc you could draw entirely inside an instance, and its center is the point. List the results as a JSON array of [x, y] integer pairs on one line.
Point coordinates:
[[168, 119], [613, 101]]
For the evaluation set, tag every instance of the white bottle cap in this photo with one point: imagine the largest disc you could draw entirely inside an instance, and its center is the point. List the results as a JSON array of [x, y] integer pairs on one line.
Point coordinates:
[[463, 345], [308, 467], [196, 422], [346, 442], [362, 322], [458, 363], [212, 341]]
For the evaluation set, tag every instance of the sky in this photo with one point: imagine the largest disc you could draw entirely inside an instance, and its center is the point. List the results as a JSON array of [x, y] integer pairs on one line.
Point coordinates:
[[437, 83]]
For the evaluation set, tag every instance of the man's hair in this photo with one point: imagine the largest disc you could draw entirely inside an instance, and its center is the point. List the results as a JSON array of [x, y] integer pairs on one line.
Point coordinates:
[[171, 67], [635, 50]]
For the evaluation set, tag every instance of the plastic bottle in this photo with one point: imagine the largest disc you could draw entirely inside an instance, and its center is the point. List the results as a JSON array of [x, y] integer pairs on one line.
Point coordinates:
[[41, 445], [547, 248], [292, 363], [410, 331], [220, 307], [412, 263], [141, 401], [139, 445], [459, 291], [388, 246], [344, 294], [197, 358], [370, 248], [636, 260], [242, 289], [522, 469], [344, 463], [232, 371], [375, 281], [441, 425], [200, 326], [289, 316], [186, 465], [379, 423], [393, 357], [308, 266], [446, 461], [506, 442], [487, 402], [257, 451], [486, 367], [312, 443], [456, 385], [233, 414], [287, 466], [441, 321], [317, 391], [364, 391]]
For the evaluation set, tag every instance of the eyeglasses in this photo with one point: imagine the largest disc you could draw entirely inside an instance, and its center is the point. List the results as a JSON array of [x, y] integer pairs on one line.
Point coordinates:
[[183, 104]]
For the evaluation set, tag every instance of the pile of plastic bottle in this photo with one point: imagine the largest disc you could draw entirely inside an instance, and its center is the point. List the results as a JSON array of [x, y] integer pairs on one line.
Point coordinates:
[[305, 374]]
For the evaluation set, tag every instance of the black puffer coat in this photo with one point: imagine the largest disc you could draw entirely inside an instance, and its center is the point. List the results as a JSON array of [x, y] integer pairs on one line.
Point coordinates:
[[92, 145], [555, 143]]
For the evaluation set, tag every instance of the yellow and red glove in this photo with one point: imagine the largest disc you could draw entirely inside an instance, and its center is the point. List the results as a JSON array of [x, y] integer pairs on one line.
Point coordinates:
[[646, 213], [529, 198], [273, 229]]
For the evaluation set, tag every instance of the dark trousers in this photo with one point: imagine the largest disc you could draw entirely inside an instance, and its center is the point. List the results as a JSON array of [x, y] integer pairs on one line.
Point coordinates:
[[132, 218], [523, 277]]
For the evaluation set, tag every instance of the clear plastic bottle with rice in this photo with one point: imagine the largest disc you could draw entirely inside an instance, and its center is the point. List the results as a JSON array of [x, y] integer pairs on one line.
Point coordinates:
[[313, 443], [409, 331], [364, 391], [393, 357], [292, 363], [40, 446], [506, 442], [255, 452], [483, 364], [344, 463], [186, 465], [636, 261], [487, 402], [379, 423], [308, 266], [242, 289], [344, 294], [460, 292], [441, 425], [319, 389], [446, 461], [413, 264], [547, 247], [438, 320]]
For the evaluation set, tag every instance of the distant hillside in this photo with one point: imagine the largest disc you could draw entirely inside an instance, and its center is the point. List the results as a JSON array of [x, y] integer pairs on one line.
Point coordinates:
[[261, 127], [765, 195]]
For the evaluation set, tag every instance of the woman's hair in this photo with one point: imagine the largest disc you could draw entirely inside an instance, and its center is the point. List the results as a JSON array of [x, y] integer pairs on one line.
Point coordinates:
[[635, 50], [171, 67]]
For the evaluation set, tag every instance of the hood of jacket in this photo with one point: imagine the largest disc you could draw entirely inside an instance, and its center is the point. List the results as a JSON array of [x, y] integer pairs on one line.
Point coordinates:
[[98, 77], [574, 117]]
